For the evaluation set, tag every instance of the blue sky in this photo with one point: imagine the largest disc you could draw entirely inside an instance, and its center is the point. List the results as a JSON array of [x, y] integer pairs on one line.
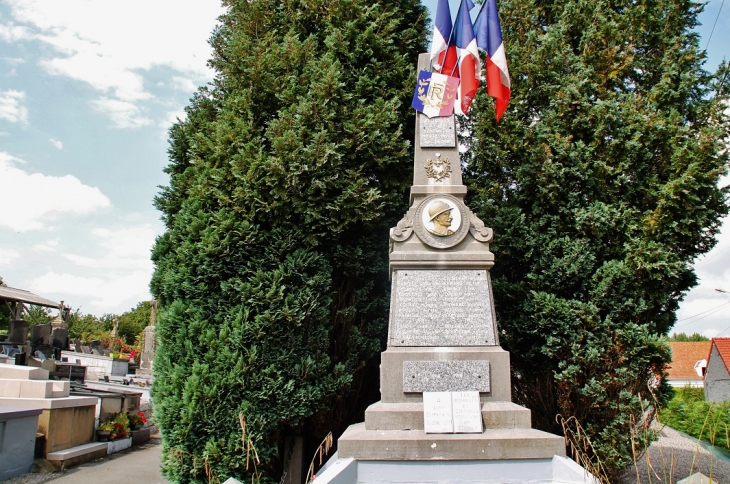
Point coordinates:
[[88, 90]]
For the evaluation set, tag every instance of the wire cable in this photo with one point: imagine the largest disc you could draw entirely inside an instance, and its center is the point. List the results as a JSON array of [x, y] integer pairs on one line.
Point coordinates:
[[715, 24]]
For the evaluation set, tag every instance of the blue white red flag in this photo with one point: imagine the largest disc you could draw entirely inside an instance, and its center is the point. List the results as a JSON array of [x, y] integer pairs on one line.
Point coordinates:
[[469, 63], [443, 57], [435, 94], [489, 38]]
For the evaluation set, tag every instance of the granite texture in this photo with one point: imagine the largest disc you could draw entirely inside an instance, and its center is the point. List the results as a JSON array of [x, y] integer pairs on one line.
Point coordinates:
[[446, 376], [438, 132], [391, 370], [441, 308]]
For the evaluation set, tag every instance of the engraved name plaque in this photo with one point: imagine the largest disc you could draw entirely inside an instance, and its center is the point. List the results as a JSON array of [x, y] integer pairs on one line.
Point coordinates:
[[446, 376], [437, 132], [441, 308], [467, 412], [438, 417]]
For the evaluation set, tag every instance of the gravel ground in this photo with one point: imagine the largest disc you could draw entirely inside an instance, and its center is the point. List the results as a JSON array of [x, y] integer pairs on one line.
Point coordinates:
[[674, 457]]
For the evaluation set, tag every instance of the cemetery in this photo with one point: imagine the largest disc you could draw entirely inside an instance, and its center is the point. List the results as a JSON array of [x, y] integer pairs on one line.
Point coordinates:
[[57, 399], [382, 266]]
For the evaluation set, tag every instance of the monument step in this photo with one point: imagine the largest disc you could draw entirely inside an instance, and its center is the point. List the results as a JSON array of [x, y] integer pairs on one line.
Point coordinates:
[[492, 444], [409, 416]]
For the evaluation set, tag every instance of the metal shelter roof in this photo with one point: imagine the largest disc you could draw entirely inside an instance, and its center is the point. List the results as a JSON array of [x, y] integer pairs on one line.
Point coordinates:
[[19, 295]]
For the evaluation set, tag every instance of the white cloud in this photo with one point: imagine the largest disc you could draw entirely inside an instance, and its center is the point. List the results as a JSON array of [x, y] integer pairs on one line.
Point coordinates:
[[108, 294], [56, 143], [110, 45], [11, 106], [126, 248], [122, 113], [28, 201], [8, 256], [47, 246], [171, 118]]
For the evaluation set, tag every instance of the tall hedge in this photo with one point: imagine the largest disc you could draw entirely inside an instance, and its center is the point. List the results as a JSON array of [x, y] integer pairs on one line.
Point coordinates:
[[601, 183], [272, 272]]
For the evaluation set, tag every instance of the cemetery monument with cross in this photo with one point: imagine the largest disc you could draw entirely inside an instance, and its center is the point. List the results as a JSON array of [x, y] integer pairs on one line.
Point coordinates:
[[445, 410]]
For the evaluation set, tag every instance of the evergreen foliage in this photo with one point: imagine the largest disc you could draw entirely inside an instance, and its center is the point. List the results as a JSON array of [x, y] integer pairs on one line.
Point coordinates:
[[683, 338], [272, 273], [601, 185]]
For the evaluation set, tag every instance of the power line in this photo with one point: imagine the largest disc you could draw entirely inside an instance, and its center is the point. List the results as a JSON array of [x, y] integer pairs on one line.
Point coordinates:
[[713, 25], [703, 312]]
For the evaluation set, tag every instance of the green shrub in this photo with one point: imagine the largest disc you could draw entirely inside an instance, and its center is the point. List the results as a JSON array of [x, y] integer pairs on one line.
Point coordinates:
[[688, 412], [272, 275]]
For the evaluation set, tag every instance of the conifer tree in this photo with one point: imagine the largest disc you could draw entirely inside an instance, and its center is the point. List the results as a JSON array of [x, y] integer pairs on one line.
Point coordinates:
[[272, 273], [601, 183]]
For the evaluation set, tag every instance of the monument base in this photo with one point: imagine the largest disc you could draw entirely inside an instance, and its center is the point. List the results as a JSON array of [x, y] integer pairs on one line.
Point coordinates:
[[491, 444], [556, 469]]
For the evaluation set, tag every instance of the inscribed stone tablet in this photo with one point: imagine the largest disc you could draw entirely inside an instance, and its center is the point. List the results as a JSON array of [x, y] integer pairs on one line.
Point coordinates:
[[441, 308], [467, 412], [446, 376], [437, 413], [437, 132]]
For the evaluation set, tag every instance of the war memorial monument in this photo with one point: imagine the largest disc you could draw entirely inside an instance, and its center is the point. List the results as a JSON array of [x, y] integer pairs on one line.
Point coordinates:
[[445, 412]]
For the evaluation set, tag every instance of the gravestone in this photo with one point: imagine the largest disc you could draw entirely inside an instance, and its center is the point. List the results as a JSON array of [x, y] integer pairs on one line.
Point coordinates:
[[78, 345], [97, 347], [443, 340], [41, 334], [148, 349], [60, 338]]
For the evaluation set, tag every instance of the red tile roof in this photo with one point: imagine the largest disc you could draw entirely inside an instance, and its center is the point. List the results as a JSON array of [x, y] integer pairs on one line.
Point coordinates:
[[684, 357], [723, 348]]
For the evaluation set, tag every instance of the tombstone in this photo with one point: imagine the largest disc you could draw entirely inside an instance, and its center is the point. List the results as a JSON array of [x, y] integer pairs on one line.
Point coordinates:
[[97, 347], [443, 340], [18, 331], [78, 346], [148, 349], [41, 334], [60, 338], [86, 350]]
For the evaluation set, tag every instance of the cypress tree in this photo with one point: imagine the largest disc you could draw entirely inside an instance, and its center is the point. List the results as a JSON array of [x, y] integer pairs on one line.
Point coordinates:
[[601, 183], [272, 272]]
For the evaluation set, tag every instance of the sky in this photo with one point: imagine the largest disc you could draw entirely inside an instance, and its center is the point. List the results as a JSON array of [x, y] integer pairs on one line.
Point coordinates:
[[88, 90]]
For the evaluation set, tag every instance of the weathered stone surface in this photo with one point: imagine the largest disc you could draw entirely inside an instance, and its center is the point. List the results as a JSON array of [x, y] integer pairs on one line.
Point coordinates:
[[438, 132], [391, 370], [446, 376], [409, 416], [441, 308], [365, 444]]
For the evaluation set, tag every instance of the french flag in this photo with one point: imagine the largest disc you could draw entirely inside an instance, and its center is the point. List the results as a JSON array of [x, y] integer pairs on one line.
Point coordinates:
[[469, 64], [489, 38], [443, 57]]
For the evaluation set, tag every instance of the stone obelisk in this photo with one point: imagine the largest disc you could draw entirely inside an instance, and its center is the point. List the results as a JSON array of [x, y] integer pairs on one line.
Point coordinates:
[[442, 334]]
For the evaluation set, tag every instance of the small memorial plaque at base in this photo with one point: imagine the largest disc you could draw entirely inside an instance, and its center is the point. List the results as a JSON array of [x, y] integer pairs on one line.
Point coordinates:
[[438, 416], [467, 412]]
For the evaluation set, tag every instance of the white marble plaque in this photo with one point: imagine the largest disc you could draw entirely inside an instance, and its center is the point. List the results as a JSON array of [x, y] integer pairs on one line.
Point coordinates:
[[441, 308], [467, 412], [438, 415], [438, 132]]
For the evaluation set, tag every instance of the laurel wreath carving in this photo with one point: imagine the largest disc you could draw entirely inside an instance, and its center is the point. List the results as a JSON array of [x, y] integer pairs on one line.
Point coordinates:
[[438, 169]]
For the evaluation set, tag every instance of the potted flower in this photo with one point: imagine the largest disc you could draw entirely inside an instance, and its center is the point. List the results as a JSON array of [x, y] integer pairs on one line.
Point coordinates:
[[136, 421], [103, 433]]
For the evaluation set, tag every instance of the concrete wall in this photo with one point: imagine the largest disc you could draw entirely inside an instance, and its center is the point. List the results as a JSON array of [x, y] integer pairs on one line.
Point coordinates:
[[17, 440], [717, 379]]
